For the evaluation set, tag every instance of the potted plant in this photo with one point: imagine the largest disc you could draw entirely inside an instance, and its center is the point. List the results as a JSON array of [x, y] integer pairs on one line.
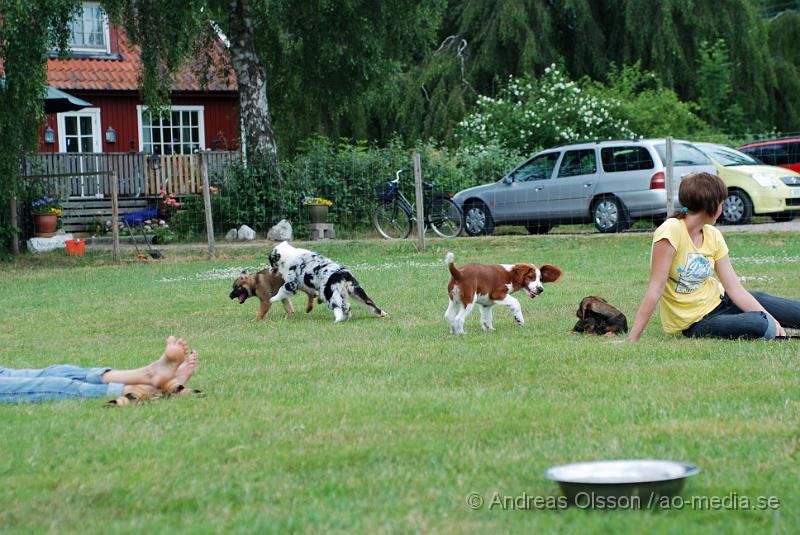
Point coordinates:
[[46, 211], [317, 208]]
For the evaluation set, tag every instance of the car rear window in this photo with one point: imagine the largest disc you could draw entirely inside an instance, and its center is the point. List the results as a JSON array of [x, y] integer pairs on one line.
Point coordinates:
[[682, 154], [785, 153], [625, 158]]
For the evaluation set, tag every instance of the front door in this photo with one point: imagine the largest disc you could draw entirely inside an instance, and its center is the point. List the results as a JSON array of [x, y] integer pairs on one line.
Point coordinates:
[[519, 196], [574, 184], [79, 132]]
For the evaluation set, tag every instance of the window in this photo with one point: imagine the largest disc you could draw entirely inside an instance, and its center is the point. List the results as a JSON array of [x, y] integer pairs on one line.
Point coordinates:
[[683, 154], [178, 131], [577, 163], [773, 154], [730, 157], [89, 30], [79, 131], [627, 158], [538, 168]]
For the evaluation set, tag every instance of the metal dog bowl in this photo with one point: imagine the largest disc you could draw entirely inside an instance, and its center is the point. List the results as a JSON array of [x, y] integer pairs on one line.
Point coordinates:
[[642, 479]]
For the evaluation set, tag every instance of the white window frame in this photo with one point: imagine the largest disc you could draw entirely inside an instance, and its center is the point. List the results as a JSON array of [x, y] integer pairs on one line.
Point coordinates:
[[94, 113], [106, 32], [201, 122]]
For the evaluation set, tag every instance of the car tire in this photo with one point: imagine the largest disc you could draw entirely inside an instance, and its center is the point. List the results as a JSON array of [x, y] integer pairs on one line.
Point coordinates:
[[782, 217], [609, 215], [538, 228], [737, 208], [477, 219]]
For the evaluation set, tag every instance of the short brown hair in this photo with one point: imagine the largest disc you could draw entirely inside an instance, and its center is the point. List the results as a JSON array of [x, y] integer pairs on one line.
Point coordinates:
[[702, 192]]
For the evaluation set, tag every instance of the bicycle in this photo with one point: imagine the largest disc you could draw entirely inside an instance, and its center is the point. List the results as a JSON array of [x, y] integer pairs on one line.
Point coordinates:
[[394, 215]]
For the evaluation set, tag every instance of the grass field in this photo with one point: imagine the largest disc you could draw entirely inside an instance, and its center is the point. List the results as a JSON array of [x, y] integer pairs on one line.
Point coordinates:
[[384, 426]]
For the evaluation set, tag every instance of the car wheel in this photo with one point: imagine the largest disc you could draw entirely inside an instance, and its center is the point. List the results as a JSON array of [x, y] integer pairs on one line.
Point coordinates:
[[609, 215], [538, 228], [782, 217], [477, 219], [737, 208]]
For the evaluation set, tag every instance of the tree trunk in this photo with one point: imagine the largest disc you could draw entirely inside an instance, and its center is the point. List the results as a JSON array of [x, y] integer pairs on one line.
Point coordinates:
[[251, 77]]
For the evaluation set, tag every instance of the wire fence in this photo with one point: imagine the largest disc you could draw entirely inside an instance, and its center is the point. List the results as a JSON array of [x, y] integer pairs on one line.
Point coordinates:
[[603, 185]]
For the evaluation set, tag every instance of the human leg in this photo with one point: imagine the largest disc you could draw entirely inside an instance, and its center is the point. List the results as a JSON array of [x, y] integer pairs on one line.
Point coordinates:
[[66, 371], [728, 321], [34, 389], [156, 374], [786, 311]]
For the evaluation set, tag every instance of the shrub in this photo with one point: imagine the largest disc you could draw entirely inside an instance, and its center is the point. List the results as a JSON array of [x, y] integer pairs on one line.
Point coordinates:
[[531, 113]]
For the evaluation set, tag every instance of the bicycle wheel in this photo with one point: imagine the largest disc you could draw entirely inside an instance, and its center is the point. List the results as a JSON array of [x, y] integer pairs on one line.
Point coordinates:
[[446, 218], [391, 221]]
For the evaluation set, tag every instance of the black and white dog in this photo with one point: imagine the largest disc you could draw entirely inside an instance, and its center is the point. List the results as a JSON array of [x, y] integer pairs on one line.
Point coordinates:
[[304, 270]]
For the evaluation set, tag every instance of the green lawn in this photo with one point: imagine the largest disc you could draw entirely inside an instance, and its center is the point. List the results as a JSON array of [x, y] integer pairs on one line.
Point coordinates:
[[387, 425]]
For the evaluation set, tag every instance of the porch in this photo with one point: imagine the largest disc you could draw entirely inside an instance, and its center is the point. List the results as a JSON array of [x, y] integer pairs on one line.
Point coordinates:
[[141, 179]]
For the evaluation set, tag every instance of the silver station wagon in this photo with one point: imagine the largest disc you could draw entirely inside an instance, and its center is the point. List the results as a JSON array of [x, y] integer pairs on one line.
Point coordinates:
[[609, 183]]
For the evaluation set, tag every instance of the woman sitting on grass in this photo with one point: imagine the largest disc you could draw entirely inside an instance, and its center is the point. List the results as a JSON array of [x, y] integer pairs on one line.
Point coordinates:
[[687, 249], [168, 375]]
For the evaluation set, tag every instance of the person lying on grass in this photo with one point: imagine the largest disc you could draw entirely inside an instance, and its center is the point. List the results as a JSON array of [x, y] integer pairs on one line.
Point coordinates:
[[687, 249], [167, 375]]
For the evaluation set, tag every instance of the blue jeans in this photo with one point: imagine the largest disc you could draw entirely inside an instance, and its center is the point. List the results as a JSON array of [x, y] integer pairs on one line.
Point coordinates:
[[55, 382], [728, 320]]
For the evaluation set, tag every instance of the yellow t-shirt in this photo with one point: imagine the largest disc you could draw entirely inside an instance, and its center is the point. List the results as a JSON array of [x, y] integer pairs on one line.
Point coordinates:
[[691, 292]]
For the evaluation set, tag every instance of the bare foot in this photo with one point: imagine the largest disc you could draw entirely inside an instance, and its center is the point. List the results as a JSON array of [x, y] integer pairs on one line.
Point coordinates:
[[186, 369], [165, 368]]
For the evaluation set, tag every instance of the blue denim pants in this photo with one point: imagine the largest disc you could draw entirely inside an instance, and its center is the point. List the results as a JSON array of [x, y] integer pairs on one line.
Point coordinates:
[[728, 320], [55, 382]]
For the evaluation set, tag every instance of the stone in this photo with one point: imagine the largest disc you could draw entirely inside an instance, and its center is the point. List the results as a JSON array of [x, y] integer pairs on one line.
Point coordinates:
[[43, 245], [246, 233], [282, 231], [232, 235]]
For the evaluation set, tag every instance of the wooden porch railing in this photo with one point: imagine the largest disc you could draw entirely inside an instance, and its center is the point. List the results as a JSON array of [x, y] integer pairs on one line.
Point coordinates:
[[139, 174]]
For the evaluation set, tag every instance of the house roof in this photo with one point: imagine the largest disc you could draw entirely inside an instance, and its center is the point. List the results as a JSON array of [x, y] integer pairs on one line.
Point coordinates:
[[120, 70]]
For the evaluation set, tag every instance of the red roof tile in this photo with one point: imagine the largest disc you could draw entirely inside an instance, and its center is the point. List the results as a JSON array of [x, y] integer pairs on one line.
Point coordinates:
[[115, 74]]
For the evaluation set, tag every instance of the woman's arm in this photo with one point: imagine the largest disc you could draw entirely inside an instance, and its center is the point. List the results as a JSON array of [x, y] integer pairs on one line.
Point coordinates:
[[663, 254], [737, 293]]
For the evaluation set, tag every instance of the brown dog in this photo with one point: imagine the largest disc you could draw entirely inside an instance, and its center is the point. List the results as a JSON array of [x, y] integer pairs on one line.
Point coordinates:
[[597, 316], [264, 285], [492, 284]]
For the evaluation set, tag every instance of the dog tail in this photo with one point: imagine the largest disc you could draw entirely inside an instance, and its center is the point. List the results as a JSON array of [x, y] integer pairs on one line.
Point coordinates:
[[451, 266]]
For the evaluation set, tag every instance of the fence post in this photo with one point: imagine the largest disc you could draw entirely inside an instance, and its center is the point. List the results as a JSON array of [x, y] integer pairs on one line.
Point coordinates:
[[670, 172], [115, 216], [212, 247], [420, 204], [14, 224]]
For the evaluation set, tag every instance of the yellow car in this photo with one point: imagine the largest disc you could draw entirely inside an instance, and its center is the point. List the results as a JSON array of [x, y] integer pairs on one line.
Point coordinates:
[[753, 187]]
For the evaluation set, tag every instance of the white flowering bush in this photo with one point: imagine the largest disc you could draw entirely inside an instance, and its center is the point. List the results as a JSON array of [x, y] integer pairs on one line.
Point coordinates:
[[529, 114]]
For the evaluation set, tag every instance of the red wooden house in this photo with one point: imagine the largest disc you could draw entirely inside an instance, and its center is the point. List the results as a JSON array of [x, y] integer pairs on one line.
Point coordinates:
[[104, 68], [80, 149]]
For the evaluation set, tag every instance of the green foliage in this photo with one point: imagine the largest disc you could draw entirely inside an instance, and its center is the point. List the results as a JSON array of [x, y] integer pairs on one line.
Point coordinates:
[[531, 113], [715, 89], [326, 60], [29, 29], [167, 32], [651, 109]]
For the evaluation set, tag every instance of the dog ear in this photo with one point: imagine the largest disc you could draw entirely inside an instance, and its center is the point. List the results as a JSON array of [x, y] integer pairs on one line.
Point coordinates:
[[550, 273], [518, 273], [602, 308], [586, 302]]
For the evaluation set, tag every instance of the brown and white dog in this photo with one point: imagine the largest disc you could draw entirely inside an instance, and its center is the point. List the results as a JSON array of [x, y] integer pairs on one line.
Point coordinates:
[[488, 285]]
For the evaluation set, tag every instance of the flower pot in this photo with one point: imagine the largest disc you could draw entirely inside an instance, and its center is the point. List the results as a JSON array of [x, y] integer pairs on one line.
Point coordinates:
[[45, 225], [317, 213]]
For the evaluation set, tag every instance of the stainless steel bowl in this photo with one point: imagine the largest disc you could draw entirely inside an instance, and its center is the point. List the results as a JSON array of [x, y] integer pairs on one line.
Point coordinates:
[[641, 479]]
